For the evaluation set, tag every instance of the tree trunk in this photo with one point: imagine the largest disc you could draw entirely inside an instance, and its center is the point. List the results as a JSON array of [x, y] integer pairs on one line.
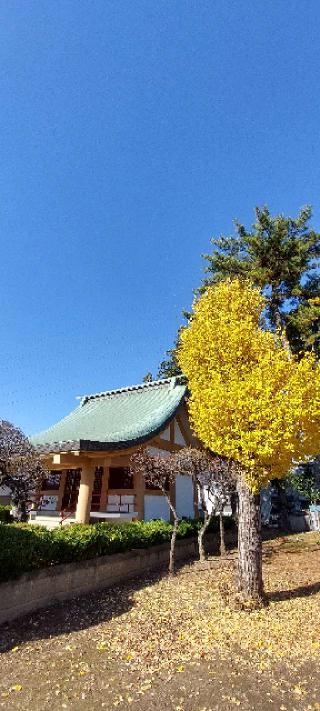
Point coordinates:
[[250, 583], [223, 548], [202, 552], [172, 560], [282, 334]]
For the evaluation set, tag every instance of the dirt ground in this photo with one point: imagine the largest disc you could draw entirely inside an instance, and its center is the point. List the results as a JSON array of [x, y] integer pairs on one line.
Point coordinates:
[[175, 644]]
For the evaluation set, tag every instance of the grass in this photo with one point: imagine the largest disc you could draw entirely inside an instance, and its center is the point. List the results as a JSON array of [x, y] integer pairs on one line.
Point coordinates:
[[301, 542]]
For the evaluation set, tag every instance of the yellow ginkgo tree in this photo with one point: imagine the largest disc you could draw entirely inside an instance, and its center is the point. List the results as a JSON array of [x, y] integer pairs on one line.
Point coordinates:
[[251, 400]]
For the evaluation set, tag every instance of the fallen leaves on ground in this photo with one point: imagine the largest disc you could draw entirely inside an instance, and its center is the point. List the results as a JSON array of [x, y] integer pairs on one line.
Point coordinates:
[[117, 644]]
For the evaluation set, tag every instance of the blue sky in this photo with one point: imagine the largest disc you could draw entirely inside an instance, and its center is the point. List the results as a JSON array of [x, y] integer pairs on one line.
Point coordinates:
[[130, 133]]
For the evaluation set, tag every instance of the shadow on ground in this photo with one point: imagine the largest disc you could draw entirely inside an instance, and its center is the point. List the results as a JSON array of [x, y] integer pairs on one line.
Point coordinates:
[[75, 614], [302, 591]]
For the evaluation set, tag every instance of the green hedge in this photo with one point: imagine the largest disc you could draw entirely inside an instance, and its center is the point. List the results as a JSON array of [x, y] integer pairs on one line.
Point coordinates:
[[5, 515], [25, 547]]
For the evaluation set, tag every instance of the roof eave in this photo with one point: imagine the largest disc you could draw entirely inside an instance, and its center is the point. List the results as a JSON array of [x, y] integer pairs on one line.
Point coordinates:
[[87, 445]]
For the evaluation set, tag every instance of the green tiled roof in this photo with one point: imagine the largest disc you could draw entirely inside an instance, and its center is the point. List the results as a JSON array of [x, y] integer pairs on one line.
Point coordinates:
[[115, 419]]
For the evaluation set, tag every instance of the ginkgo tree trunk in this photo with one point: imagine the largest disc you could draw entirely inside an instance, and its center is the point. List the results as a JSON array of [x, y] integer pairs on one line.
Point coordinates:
[[250, 401], [250, 583]]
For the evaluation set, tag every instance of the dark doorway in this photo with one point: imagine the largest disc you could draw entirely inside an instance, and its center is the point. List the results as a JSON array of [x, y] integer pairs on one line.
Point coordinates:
[[96, 491], [71, 490]]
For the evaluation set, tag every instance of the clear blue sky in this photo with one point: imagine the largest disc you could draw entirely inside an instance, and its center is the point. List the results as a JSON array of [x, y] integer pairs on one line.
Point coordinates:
[[130, 133]]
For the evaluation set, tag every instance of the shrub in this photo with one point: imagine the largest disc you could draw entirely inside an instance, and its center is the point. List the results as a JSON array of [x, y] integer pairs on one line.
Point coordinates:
[[25, 547], [5, 515]]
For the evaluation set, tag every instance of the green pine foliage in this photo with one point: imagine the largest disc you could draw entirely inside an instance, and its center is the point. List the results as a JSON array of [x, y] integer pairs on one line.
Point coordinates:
[[169, 367], [305, 479], [281, 255]]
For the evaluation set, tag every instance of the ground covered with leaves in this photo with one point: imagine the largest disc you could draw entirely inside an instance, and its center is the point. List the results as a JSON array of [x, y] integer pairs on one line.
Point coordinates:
[[177, 644]]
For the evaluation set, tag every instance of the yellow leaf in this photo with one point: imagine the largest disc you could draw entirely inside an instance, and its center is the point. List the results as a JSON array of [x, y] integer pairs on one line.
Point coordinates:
[[297, 690]]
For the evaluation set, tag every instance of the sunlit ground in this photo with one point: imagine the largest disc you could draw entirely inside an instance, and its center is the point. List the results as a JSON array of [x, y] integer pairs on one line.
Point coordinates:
[[176, 643]]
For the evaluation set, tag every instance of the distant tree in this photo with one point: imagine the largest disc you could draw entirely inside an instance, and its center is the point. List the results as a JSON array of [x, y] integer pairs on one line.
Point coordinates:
[[159, 472], [148, 378], [251, 401], [305, 479], [169, 367], [281, 256], [215, 479], [20, 468]]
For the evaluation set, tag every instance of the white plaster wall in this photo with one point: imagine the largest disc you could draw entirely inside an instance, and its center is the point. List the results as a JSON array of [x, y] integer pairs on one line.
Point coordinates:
[[178, 436], [155, 451], [227, 511], [166, 434], [156, 507], [184, 495]]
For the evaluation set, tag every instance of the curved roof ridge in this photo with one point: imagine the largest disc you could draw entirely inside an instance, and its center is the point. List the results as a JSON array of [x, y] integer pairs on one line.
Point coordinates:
[[129, 388]]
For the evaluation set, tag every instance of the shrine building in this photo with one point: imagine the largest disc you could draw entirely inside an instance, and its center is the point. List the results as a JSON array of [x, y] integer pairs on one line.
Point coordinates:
[[87, 455]]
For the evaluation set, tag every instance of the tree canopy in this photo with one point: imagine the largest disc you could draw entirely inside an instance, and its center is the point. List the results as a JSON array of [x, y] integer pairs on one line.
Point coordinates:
[[305, 479], [281, 255], [250, 400], [20, 467]]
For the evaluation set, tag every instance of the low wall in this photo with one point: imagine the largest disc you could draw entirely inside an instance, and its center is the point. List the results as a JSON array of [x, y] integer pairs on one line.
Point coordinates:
[[42, 588]]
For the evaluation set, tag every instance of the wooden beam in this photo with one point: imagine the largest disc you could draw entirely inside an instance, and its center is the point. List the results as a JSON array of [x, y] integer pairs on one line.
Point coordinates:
[[65, 461], [162, 444], [184, 424]]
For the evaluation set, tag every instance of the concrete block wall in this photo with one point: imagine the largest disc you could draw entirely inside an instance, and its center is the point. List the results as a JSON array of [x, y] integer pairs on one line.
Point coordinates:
[[42, 588]]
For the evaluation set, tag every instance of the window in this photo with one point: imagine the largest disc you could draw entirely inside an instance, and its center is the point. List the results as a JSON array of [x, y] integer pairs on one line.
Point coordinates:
[[120, 478]]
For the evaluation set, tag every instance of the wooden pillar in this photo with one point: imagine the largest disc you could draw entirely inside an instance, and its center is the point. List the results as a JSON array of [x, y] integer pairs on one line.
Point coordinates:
[[85, 493]]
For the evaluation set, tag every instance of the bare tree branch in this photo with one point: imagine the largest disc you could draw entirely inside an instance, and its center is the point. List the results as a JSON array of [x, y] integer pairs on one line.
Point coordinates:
[[159, 472], [215, 478]]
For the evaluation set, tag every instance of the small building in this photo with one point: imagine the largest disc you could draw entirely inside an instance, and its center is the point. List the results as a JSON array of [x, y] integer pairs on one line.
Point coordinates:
[[87, 455]]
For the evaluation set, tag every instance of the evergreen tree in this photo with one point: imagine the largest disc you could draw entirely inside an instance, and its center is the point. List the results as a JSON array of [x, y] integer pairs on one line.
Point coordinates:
[[169, 366], [148, 377], [280, 255]]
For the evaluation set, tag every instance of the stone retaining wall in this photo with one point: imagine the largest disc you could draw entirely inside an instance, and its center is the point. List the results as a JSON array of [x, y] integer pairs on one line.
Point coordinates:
[[43, 588]]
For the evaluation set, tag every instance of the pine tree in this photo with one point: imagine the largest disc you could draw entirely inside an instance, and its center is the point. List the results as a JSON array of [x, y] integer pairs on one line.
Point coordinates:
[[281, 255], [169, 366]]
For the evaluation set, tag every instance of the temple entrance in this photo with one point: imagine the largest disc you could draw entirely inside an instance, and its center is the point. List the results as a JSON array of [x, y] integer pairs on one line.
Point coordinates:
[[71, 490]]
